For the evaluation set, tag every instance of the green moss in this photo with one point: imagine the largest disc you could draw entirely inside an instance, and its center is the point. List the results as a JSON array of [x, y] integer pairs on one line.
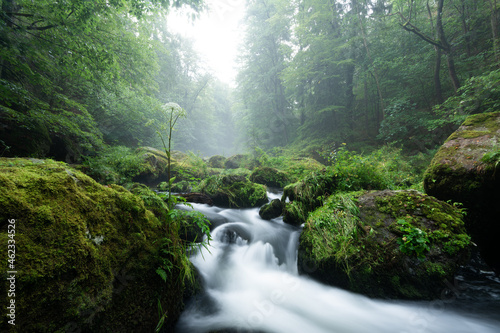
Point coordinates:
[[310, 193], [269, 177], [488, 120], [75, 240], [468, 134], [385, 244], [233, 191]]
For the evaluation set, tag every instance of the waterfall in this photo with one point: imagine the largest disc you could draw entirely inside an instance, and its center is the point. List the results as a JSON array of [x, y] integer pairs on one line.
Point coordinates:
[[251, 284]]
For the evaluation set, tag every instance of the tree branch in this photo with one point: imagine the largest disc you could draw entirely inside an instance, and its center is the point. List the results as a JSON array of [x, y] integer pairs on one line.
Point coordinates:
[[411, 28], [50, 26]]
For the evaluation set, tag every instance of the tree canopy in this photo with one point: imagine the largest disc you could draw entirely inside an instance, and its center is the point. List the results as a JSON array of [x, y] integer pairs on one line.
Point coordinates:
[[357, 71], [76, 76]]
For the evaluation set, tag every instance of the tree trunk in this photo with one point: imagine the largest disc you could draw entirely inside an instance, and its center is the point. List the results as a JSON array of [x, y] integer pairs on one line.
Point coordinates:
[[349, 94], [437, 79], [374, 73], [494, 30], [446, 47], [7, 10], [437, 67]]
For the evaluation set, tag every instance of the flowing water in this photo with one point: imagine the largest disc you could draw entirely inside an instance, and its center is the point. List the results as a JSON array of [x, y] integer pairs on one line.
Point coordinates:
[[251, 284]]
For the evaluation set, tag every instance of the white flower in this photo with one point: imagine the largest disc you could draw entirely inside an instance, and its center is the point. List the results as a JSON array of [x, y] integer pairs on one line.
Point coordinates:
[[174, 109]]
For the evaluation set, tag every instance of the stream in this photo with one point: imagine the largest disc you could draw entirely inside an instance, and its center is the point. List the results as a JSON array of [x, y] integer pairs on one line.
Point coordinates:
[[251, 284]]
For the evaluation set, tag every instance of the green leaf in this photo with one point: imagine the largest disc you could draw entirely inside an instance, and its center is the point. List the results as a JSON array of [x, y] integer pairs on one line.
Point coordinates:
[[161, 272]]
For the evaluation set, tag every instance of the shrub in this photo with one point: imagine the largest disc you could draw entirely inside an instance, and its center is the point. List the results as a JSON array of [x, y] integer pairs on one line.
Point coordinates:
[[114, 165], [385, 168]]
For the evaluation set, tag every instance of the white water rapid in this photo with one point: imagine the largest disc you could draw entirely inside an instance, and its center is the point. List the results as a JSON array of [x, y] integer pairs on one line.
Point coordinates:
[[251, 284]]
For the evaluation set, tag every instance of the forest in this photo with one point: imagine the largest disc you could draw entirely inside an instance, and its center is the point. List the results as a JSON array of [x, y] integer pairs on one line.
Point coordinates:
[[79, 77], [328, 157]]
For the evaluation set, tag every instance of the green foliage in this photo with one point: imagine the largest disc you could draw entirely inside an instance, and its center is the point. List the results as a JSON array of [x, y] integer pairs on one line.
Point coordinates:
[[492, 157], [406, 125], [479, 94], [171, 112], [233, 190], [335, 226], [288, 161], [114, 165], [263, 113], [414, 241], [385, 168]]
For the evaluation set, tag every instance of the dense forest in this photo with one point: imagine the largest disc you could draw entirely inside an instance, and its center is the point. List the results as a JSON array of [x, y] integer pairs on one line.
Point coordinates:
[[77, 77], [358, 145]]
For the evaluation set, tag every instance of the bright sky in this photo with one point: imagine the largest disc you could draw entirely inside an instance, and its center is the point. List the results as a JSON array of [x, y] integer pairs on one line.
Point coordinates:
[[216, 34]]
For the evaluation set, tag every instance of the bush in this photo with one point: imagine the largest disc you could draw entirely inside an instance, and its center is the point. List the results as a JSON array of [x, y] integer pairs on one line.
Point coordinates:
[[385, 168], [114, 165]]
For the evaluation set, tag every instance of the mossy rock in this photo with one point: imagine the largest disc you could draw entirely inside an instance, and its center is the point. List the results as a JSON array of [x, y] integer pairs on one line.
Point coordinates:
[[270, 177], [155, 168], [384, 244], [306, 195], [233, 191], [246, 161], [458, 172], [86, 254], [216, 161], [271, 210]]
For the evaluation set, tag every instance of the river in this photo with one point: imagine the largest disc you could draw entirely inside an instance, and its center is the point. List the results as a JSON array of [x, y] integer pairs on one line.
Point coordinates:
[[251, 284]]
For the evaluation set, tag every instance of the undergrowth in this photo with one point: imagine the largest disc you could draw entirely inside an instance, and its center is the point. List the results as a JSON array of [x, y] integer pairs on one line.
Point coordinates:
[[336, 225], [385, 168], [114, 165]]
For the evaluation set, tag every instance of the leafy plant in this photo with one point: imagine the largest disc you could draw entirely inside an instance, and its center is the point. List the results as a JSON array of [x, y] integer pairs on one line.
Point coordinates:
[[114, 165], [492, 157], [385, 168], [172, 112], [414, 241], [479, 94], [336, 228]]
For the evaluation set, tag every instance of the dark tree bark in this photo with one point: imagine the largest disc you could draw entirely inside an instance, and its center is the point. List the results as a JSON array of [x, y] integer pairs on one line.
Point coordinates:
[[494, 30], [437, 66], [440, 41]]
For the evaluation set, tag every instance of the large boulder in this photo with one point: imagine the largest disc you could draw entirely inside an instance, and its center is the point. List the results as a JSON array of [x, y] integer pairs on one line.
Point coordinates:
[[269, 176], [460, 172], [240, 161], [385, 244], [233, 191], [154, 170], [86, 255], [216, 161], [271, 210]]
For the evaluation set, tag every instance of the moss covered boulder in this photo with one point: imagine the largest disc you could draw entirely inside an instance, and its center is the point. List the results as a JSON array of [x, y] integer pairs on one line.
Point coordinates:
[[466, 170], [269, 176], [246, 161], [306, 195], [233, 191], [386, 244], [154, 169], [216, 161], [271, 210], [86, 254]]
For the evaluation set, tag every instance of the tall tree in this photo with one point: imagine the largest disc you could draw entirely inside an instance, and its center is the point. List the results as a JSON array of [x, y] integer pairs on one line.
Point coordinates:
[[58, 59], [440, 41], [260, 83]]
